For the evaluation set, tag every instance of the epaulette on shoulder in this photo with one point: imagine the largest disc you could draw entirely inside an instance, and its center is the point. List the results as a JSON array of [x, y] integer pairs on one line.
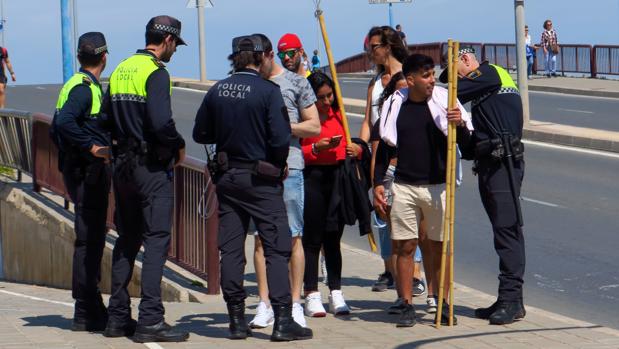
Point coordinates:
[[86, 80], [158, 63]]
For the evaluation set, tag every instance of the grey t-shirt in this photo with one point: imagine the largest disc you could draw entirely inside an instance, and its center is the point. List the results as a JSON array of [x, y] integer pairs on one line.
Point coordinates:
[[298, 95]]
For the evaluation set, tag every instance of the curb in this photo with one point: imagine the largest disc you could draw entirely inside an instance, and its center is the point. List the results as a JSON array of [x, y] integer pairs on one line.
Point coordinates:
[[573, 91], [528, 133]]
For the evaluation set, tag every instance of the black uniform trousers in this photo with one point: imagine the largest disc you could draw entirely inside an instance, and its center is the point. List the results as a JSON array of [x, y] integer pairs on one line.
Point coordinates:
[[88, 186], [242, 196], [144, 208], [496, 196]]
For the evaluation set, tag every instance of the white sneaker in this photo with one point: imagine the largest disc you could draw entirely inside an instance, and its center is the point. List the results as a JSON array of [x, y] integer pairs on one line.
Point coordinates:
[[313, 305], [431, 302], [297, 314], [264, 316], [337, 304]]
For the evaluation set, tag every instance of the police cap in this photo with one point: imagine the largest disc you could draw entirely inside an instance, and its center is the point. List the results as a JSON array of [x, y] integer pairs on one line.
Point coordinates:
[[91, 43], [167, 25], [462, 51], [252, 43]]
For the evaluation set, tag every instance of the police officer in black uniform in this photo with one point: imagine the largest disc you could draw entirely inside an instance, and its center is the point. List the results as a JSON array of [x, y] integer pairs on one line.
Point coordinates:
[[146, 147], [84, 162], [499, 164], [245, 116]]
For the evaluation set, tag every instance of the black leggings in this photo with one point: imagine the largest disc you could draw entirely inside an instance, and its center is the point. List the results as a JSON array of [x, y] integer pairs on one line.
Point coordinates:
[[318, 187]]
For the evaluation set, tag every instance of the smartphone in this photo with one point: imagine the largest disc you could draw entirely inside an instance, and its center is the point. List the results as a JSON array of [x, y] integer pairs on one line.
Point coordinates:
[[336, 139]]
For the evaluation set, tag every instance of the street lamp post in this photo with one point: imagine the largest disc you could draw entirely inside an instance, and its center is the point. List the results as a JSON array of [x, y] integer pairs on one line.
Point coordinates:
[[521, 57], [67, 50], [201, 35]]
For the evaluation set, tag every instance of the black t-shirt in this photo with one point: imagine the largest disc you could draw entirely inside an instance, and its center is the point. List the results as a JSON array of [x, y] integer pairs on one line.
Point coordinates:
[[375, 132], [421, 149]]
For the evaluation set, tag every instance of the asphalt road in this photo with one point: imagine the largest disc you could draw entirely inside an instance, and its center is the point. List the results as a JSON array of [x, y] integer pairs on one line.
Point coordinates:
[[570, 205]]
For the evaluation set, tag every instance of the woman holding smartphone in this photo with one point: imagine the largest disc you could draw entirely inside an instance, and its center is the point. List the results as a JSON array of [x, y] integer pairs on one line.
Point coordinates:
[[324, 156]]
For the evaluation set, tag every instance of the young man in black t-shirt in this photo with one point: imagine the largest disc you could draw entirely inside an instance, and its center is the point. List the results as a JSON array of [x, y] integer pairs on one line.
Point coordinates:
[[419, 187]]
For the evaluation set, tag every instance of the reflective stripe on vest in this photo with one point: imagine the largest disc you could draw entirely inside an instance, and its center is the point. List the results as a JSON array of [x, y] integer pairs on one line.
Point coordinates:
[[80, 79], [128, 81], [506, 80]]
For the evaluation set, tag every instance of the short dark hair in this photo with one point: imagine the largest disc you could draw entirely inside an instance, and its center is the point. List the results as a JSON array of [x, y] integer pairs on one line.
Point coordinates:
[[88, 61], [417, 62], [155, 37], [317, 80], [546, 23]]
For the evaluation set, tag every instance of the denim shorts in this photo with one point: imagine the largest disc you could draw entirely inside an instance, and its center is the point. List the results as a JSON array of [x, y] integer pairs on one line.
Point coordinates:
[[294, 195]]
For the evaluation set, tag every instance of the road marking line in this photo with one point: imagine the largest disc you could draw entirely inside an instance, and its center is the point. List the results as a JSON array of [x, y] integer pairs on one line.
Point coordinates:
[[37, 298], [577, 111], [153, 345], [190, 89], [40, 88], [357, 115], [365, 82], [574, 149], [524, 198]]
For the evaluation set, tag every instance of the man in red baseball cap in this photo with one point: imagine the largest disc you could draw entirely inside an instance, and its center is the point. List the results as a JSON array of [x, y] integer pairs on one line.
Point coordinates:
[[290, 52]]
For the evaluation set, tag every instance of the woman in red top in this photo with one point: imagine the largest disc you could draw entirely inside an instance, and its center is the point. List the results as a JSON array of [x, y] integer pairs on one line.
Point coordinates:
[[323, 156]]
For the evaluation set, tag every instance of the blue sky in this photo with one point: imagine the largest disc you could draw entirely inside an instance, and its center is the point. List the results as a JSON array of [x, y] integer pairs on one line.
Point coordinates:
[[33, 35]]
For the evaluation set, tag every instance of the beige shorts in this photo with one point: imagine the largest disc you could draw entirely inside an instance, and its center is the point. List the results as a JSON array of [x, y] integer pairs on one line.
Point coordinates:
[[414, 205]]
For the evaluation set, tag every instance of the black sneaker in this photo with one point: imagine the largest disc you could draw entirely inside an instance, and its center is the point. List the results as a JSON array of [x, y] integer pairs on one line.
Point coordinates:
[[160, 332], [120, 329], [419, 287], [384, 282], [506, 313], [407, 317], [445, 315], [397, 307]]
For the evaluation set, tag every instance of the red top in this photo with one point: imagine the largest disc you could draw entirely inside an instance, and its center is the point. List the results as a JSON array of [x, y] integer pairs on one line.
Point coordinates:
[[330, 127]]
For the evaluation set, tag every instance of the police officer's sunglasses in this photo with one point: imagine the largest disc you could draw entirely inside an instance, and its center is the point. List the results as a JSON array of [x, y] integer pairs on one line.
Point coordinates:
[[290, 54]]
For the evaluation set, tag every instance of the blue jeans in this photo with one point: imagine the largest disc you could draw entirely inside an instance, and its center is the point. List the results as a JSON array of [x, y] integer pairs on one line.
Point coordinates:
[[550, 63], [294, 195], [530, 66]]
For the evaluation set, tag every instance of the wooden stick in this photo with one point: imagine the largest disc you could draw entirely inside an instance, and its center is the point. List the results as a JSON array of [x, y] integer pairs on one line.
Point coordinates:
[[446, 217], [338, 95], [452, 158]]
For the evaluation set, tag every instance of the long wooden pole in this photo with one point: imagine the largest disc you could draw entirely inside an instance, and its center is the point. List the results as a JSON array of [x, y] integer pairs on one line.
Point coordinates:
[[450, 179], [338, 95]]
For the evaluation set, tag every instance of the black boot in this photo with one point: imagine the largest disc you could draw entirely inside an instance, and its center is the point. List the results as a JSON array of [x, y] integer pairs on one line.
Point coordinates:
[[238, 326], [160, 332], [445, 315], [285, 329], [506, 313], [485, 313], [120, 329], [93, 319]]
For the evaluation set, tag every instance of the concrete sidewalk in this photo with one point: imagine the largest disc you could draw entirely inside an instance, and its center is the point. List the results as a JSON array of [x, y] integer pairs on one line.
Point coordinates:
[[536, 130], [38, 317]]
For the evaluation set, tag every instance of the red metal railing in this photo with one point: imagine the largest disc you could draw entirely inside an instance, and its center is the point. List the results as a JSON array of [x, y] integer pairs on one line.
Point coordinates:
[[194, 238], [583, 59]]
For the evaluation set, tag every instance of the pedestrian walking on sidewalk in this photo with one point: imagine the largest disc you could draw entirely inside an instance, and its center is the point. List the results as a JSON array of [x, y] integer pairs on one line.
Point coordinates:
[[84, 155], [550, 44], [245, 116], [147, 147], [499, 165], [414, 128], [299, 99], [530, 51], [4, 60]]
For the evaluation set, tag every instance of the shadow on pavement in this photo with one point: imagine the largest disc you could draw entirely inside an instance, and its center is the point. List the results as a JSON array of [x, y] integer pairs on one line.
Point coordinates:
[[56, 321], [204, 325], [421, 343]]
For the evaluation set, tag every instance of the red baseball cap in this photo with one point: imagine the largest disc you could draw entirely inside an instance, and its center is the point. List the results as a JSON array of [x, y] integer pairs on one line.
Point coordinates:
[[288, 42]]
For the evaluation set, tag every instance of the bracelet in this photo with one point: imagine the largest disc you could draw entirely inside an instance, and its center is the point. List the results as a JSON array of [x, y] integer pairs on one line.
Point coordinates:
[[314, 150]]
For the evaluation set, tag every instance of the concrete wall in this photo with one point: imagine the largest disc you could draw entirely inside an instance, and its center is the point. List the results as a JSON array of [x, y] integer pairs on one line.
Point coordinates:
[[37, 244]]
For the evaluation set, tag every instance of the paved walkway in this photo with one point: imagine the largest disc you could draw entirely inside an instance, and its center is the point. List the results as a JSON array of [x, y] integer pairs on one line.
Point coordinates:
[[39, 317]]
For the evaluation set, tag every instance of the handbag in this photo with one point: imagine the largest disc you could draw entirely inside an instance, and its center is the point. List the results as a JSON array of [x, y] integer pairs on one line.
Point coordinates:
[[554, 48]]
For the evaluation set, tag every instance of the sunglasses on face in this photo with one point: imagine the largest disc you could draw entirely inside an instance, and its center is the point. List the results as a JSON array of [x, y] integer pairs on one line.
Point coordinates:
[[374, 47], [290, 54], [327, 95]]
